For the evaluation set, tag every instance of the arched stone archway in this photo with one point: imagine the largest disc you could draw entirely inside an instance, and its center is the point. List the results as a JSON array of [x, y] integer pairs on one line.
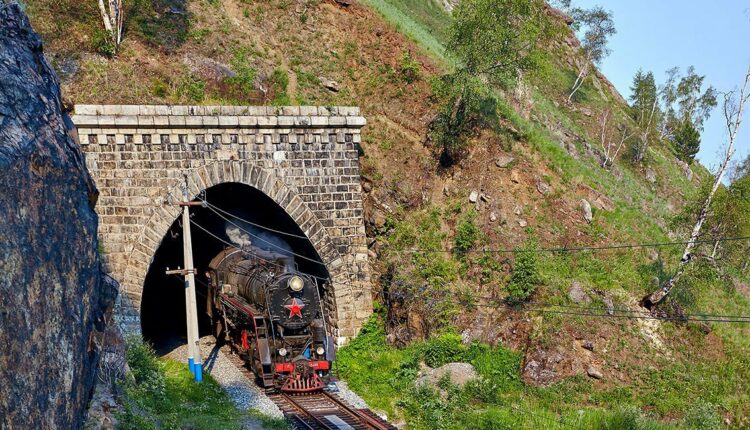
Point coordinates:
[[201, 178]]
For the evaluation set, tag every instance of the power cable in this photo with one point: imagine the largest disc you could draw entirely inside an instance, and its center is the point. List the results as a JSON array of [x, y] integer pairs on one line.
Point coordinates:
[[219, 211], [570, 249], [540, 306], [223, 214]]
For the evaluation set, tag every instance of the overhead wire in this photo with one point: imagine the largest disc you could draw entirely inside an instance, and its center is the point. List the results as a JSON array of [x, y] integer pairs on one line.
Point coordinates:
[[219, 211], [224, 214], [544, 307], [572, 248]]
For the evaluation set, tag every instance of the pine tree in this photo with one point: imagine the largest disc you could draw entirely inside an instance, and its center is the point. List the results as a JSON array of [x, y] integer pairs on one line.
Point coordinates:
[[687, 141]]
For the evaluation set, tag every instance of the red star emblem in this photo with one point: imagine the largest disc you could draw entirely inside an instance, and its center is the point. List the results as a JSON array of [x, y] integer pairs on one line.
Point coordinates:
[[295, 308]]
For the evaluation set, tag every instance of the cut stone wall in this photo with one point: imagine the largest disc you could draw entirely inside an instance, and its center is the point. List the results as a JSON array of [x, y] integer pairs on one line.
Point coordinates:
[[304, 158]]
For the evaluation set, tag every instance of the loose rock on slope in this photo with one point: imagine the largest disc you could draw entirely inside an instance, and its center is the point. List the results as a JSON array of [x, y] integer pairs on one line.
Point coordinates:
[[52, 298]]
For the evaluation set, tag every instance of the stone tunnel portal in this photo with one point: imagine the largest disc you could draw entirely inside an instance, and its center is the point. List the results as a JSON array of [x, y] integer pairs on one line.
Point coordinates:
[[213, 228], [303, 158]]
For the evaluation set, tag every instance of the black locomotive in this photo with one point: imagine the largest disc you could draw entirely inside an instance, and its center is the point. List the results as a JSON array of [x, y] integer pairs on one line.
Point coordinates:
[[273, 316]]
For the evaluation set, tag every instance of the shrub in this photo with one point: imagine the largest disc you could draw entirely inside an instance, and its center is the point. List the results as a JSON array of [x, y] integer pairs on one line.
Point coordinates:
[[408, 68], [145, 367], [243, 82], [525, 276], [280, 80], [443, 349], [467, 232], [159, 88], [102, 43], [703, 416], [464, 103], [190, 88]]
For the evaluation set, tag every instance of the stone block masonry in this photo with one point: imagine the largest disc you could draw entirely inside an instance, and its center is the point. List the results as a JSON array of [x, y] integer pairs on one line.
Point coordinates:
[[303, 157]]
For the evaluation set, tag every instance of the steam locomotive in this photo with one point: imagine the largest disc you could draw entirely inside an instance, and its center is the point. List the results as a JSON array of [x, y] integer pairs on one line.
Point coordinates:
[[273, 316]]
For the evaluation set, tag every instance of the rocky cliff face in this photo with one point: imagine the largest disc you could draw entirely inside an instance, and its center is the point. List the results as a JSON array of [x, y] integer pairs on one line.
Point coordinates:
[[52, 298]]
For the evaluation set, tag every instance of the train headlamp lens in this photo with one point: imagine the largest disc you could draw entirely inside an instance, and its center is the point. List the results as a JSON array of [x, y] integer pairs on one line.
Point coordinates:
[[320, 350], [282, 352], [296, 284]]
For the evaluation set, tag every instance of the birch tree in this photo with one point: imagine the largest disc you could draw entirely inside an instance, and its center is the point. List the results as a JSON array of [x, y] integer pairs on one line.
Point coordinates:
[[112, 16], [612, 146], [599, 27], [644, 109], [733, 108]]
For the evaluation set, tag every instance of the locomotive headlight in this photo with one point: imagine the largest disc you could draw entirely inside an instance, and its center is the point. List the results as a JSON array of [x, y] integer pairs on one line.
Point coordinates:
[[282, 352], [320, 350], [296, 284]]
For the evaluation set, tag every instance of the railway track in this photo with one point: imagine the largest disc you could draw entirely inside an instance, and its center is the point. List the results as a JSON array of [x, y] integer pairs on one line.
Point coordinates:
[[326, 411], [317, 411]]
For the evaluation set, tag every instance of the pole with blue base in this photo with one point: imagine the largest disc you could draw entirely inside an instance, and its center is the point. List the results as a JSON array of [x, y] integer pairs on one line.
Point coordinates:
[[198, 371], [191, 308]]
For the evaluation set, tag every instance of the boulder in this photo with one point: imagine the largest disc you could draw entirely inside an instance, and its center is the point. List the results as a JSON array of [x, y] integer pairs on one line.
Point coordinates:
[[53, 299], [577, 295], [685, 167], [543, 187], [473, 196], [504, 161], [458, 373], [594, 372], [329, 84], [514, 177], [208, 69], [586, 210], [651, 176]]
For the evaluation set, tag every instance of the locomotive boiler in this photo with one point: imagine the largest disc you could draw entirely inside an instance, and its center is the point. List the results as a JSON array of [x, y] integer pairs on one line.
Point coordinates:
[[273, 316]]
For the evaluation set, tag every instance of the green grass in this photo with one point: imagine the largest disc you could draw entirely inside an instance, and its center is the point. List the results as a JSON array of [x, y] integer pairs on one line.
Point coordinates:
[[385, 377], [421, 20], [163, 395]]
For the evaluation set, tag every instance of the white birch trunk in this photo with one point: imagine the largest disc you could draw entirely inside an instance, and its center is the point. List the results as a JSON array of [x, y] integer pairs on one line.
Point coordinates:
[[645, 132], [112, 17], [582, 74], [733, 117]]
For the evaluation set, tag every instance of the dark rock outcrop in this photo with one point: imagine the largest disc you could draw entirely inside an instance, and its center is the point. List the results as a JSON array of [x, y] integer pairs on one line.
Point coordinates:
[[52, 298]]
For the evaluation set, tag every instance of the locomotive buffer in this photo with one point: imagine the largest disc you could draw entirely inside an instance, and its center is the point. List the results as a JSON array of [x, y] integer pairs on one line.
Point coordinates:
[[191, 309]]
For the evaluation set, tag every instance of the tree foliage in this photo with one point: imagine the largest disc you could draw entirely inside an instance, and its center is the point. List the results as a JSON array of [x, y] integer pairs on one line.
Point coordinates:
[[645, 111], [494, 41], [687, 141], [464, 102], [643, 96], [597, 26], [525, 276], [730, 217], [677, 110], [684, 99], [497, 39]]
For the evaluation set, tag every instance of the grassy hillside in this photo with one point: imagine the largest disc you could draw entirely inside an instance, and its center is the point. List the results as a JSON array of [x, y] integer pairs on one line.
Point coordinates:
[[385, 54]]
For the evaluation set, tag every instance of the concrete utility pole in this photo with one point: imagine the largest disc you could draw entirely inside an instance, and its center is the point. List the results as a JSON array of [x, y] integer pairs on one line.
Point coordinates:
[[191, 308]]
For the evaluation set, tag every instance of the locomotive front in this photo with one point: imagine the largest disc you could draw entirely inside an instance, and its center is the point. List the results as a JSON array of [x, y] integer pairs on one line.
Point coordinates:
[[274, 315]]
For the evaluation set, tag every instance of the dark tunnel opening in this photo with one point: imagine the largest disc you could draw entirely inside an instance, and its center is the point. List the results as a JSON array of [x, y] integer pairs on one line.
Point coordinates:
[[163, 301]]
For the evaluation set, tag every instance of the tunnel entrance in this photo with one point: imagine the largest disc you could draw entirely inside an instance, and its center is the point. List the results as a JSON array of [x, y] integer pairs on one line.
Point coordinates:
[[235, 214]]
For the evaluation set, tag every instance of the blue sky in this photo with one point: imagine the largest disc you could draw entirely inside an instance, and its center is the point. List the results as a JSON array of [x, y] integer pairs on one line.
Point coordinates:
[[656, 35]]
